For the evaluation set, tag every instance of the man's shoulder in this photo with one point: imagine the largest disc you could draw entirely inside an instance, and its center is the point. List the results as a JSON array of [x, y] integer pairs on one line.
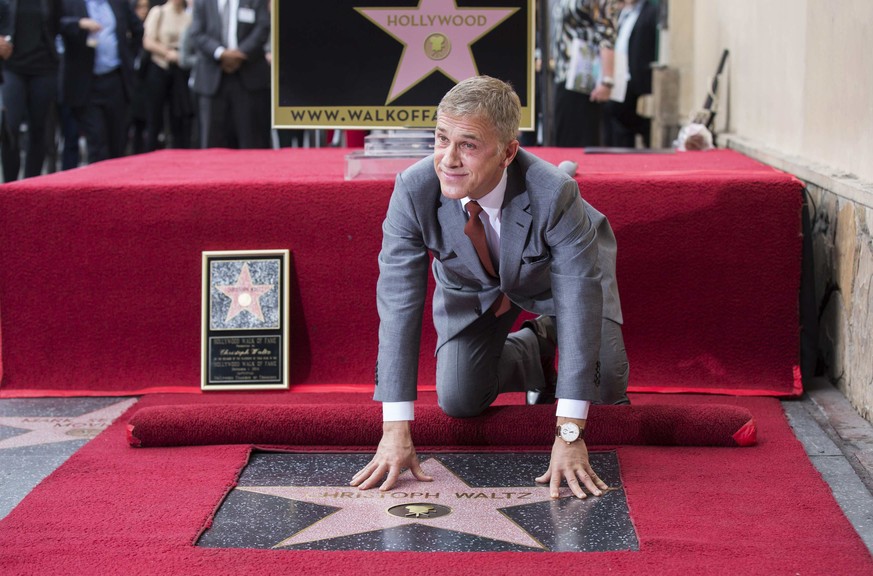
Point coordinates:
[[420, 176], [539, 174]]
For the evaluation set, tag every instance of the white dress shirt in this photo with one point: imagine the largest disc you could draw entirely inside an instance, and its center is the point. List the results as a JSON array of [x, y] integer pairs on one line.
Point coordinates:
[[233, 6]]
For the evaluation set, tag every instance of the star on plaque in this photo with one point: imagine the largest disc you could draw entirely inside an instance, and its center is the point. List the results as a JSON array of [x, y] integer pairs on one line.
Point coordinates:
[[436, 35], [245, 295]]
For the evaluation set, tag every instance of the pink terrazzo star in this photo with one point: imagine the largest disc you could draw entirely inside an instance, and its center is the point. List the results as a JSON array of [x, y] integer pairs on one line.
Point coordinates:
[[52, 429], [474, 511], [436, 35]]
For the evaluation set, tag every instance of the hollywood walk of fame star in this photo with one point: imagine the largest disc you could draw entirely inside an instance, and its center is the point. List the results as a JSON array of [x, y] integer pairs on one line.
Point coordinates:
[[474, 511], [51, 429], [436, 35], [244, 295]]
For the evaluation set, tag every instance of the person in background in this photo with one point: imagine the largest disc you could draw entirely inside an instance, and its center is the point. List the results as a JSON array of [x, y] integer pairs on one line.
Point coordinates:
[[166, 82], [583, 66], [187, 62], [232, 75], [5, 52], [635, 49], [137, 131], [99, 69], [30, 87]]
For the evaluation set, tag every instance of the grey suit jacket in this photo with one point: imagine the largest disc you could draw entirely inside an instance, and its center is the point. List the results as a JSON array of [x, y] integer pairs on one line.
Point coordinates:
[[206, 34], [557, 257]]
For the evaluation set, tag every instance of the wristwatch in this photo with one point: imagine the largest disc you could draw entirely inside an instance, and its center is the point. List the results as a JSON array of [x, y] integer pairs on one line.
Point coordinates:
[[569, 432]]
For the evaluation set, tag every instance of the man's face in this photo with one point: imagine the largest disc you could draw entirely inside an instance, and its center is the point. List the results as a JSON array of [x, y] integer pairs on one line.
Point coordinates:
[[468, 158]]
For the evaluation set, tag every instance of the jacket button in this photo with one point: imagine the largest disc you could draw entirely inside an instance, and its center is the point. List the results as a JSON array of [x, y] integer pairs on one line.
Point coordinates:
[[478, 310]]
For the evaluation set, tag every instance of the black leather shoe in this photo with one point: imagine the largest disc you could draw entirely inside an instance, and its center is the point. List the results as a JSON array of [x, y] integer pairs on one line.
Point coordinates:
[[547, 341]]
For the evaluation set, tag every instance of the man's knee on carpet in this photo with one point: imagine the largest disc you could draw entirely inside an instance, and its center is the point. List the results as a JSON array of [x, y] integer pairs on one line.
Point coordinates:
[[464, 401]]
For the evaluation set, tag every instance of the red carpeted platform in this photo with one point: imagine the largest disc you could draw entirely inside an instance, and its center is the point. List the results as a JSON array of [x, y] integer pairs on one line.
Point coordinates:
[[100, 268], [764, 510]]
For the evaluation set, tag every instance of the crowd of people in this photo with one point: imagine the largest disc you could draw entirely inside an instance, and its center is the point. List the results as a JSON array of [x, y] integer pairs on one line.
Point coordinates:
[[130, 76]]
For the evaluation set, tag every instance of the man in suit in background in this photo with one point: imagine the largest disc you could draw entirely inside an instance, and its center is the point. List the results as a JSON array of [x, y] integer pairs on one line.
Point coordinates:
[[530, 243], [635, 50], [232, 75], [98, 70]]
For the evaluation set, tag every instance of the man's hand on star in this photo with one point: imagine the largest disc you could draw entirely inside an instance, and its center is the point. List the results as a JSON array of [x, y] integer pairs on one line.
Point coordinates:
[[570, 462], [394, 454]]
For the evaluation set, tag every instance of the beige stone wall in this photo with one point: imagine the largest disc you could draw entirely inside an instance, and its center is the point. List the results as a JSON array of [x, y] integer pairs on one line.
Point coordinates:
[[799, 79], [798, 94]]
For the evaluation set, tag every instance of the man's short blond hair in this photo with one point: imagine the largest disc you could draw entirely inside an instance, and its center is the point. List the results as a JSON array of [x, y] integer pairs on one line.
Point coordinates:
[[485, 97]]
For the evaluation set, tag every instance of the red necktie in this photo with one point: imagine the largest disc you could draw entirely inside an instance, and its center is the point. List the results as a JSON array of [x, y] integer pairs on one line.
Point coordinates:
[[475, 230]]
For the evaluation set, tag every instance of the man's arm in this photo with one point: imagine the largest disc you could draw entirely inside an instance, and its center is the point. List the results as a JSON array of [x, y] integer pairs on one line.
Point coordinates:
[[400, 295], [578, 299], [202, 41]]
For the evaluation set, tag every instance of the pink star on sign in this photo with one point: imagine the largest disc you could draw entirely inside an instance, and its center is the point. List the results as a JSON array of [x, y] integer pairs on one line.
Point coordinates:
[[245, 296], [436, 35]]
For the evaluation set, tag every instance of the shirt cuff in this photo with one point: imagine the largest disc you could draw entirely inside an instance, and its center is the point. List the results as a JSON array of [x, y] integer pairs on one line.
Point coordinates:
[[568, 408], [218, 52], [398, 411]]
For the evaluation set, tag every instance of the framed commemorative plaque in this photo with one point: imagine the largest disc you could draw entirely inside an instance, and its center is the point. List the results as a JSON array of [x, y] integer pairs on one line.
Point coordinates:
[[245, 320], [387, 63]]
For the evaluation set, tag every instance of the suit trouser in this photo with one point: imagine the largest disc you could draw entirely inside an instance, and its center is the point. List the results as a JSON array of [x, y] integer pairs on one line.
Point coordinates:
[[233, 117], [27, 98], [485, 360], [103, 119]]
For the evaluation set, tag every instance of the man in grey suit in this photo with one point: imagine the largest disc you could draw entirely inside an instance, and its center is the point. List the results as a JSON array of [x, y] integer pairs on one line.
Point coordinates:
[[550, 253], [231, 75]]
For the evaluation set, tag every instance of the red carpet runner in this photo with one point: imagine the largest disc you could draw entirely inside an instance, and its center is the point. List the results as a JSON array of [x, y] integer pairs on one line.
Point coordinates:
[[255, 422], [100, 267], [763, 510]]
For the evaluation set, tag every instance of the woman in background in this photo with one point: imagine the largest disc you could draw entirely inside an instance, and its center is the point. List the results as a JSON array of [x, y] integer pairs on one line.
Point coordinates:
[[166, 82], [583, 63]]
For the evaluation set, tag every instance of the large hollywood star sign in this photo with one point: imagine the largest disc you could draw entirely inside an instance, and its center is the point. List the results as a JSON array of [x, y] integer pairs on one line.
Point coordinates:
[[386, 64]]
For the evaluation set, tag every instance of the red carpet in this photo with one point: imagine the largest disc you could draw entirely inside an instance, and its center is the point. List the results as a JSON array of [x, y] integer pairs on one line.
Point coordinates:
[[361, 425], [763, 510], [100, 267]]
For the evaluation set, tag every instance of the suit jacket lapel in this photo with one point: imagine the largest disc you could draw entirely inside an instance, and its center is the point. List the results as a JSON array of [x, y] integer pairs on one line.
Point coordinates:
[[515, 222]]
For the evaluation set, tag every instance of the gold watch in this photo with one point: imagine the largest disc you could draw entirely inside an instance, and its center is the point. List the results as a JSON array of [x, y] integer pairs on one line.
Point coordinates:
[[569, 432]]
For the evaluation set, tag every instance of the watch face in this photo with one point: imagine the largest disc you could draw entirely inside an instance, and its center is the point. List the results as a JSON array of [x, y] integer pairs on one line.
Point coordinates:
[[569, 432]]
